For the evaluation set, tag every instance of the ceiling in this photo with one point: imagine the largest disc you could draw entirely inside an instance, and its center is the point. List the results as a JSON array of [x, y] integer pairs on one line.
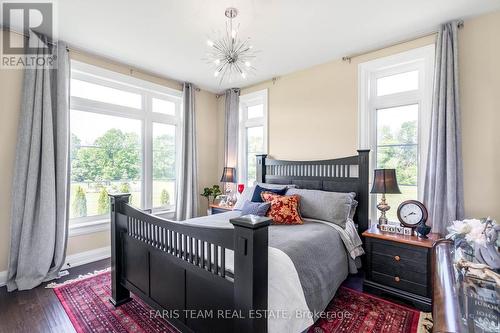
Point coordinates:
[[168, 37]]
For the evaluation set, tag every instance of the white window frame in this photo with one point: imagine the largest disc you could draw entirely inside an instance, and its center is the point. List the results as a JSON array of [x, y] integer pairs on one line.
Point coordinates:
[[246, 101], [421, 59], [148, 91]]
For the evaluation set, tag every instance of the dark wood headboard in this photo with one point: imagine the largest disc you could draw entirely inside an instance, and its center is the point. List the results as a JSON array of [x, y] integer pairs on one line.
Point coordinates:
[[347, 174]]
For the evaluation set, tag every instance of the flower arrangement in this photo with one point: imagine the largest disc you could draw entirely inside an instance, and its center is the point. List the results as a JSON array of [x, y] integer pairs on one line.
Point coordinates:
[[478, 240]]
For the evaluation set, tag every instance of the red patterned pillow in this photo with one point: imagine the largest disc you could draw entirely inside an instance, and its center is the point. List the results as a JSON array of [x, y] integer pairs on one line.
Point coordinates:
[[284, 208]]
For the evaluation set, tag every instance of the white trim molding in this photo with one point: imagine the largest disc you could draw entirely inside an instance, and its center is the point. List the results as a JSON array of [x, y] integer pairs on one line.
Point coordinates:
[[144, 116], [259, 97], [74, 260], [86, 257], [420, 59], [83, 228]]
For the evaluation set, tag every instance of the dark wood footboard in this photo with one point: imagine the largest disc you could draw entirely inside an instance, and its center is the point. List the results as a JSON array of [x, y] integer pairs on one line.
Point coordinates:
[[180, 270]]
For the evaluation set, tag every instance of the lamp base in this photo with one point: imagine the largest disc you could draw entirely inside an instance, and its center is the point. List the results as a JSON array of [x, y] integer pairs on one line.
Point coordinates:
[[382, 219], [383, 207]]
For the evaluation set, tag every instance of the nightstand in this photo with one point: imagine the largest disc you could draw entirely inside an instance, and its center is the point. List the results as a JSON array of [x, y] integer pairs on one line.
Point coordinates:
[[399, 266], [216, 209]]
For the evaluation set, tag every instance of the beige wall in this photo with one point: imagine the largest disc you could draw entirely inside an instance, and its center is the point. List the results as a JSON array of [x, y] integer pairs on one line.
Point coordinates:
[[10, 98], [479, 46], [313, 113]]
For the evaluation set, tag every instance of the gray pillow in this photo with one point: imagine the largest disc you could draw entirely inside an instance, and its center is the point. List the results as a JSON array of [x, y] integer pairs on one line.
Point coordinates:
[[248, 192], [255, 208], [354, 205], [333, 207]]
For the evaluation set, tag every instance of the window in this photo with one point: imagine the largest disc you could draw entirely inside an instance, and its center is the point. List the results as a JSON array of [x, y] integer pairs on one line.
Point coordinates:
[[395, 104], [123, 139], [253, 134]]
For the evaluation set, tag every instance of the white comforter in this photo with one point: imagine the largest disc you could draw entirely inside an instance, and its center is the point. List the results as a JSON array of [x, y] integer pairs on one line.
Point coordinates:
[[286, 300]]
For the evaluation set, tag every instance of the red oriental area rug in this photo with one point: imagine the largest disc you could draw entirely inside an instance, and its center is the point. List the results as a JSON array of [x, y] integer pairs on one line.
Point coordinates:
[[353, 311], [85, 300]]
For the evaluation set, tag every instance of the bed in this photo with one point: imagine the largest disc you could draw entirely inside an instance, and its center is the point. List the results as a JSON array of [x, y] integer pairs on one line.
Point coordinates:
[[227, 272]]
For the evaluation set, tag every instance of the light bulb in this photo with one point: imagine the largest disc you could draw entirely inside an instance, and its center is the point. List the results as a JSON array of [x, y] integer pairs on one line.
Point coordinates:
[[217, 61], [248, 64], [210, 43], [233, 33], [216, 73], [243, 75]]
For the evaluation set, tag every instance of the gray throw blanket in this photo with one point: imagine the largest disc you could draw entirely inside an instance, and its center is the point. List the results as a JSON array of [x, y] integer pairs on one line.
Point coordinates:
[[319, 256]]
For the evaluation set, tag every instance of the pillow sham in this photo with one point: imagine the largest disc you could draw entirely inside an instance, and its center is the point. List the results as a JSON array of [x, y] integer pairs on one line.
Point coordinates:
[[255, 208], [245, 196], [334, 207], [256, 197], [284, 208]]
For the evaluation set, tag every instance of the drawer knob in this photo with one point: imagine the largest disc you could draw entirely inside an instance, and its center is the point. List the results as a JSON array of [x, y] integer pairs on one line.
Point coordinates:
[[397, 258], [397, 279]]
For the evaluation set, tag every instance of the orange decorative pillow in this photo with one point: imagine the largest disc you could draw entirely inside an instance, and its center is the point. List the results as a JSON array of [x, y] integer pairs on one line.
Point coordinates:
[[284, 208]]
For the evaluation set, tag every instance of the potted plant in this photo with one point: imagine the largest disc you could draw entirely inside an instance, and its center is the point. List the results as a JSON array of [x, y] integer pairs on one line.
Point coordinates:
[[211, 192]]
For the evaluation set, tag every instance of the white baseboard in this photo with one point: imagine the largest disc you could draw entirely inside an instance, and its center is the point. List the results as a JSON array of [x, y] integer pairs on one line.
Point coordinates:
[[86, 257], [74, 260]]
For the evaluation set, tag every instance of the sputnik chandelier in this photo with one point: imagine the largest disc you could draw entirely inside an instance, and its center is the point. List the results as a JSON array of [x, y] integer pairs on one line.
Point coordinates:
[[229, 55]]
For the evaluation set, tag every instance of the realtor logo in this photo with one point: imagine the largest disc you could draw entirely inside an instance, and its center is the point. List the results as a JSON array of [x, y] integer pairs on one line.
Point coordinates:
[[23, 19]]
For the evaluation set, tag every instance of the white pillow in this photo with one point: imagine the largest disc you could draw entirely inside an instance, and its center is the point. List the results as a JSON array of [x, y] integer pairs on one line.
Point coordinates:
[[245, 196]]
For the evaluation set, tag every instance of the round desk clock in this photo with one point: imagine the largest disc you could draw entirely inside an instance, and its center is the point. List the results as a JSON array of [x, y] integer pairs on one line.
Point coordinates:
[[412, 213]]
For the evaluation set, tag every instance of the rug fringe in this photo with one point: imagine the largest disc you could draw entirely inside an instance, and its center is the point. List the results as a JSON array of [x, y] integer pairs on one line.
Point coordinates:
[[81, 277], [425, 323]]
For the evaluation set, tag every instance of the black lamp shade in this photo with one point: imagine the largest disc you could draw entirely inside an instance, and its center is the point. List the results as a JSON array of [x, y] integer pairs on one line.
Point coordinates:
[[384, 181], [228, 175]]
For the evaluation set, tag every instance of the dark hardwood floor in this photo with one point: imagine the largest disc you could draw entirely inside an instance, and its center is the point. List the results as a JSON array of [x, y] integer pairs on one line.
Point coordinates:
[[39, 310]]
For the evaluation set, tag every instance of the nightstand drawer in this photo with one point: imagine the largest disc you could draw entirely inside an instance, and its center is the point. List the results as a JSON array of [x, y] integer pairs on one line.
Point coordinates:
[[397, 260], [407, 269], [413, 253], [400, 282]]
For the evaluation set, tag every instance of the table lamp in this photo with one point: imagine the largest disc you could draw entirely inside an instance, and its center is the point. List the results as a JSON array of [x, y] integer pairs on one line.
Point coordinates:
[[384, 181], [228, 177]]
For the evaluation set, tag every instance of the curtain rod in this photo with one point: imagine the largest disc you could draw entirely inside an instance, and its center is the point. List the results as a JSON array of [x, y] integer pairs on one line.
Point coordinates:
[[354, 55], [75, 50]]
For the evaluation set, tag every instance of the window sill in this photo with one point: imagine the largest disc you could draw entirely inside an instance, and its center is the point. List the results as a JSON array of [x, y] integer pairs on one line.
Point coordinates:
[[166, 214], [100, 224], [89, 227]]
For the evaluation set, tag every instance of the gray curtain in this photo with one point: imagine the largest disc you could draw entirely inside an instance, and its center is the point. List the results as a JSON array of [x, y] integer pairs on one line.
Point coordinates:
[[443, 189], [187, 183], [39, 212], [231, 123]]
